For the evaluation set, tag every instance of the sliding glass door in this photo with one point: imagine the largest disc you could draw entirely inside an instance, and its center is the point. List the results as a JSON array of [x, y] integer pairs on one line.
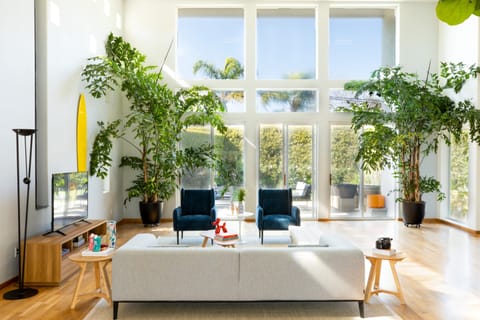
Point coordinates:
[[353, 193], [286, 161]]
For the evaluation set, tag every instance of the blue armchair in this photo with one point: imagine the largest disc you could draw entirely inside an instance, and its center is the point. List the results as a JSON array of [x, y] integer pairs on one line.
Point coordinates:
[[196, 212], [275, 210]]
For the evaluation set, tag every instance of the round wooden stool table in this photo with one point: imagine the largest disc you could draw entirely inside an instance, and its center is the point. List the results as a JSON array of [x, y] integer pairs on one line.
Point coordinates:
[[374, 275], [102, 283]]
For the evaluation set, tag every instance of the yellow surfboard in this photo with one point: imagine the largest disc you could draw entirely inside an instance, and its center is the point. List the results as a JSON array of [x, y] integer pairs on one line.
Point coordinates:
[[81, 134]]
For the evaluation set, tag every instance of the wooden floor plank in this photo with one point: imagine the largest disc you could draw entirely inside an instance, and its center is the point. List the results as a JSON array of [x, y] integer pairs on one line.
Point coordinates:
[[439, 277]]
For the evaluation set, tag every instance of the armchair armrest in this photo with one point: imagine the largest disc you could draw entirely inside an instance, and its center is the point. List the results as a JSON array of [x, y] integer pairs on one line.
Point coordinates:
[[213, 213], [296, 215], [177, 213], [259, 216]]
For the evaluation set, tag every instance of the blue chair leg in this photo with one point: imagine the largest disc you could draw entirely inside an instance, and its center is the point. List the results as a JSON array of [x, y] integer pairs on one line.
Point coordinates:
[[262, 235], [177, 238]]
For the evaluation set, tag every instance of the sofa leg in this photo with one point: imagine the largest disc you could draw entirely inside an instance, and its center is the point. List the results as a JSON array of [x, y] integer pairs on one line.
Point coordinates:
[[361, 307], [177, 238], [262, 236], [115, 310]]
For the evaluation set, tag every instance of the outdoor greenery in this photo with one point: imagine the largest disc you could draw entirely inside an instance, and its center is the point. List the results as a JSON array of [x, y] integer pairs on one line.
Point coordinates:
[[229, 148], [300, 147], [414, 118], [455, 12], [154, 125], [270, 162], [459, 177], [344, 146], [271, 159]]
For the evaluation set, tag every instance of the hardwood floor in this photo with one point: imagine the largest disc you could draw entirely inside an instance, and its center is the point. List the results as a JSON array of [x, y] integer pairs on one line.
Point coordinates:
[[440, 277]]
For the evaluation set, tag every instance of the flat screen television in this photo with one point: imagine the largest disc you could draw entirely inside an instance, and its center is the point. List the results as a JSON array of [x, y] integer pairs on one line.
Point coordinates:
[[69, 199]]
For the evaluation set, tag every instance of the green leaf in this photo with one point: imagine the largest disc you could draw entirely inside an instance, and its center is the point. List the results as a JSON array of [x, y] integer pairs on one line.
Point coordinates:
[[477, 8], [455, 12]]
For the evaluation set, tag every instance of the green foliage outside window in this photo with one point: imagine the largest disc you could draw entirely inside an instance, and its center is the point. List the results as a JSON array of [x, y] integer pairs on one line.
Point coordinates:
[[344, 147], [300, 156], [229, 148], [271, 166], [459, 178]]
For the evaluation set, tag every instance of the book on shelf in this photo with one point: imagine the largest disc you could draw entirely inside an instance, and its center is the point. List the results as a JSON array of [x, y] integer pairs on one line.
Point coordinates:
[[226, 236], [384, 252]]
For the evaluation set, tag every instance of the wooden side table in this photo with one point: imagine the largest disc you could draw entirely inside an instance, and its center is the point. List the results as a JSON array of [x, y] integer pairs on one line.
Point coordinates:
[[102, 282], [374, 275]]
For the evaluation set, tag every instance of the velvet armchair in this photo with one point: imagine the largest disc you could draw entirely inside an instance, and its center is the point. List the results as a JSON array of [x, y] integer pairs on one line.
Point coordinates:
[[196, 212], [275, 210]]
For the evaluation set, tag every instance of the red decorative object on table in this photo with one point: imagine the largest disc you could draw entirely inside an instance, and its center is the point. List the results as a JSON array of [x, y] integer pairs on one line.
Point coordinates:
[[219, 226]]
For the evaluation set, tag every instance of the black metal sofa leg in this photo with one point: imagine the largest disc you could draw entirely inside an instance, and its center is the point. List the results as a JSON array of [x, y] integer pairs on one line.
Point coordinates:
[[115, 309], [361, 308], [177, 238]]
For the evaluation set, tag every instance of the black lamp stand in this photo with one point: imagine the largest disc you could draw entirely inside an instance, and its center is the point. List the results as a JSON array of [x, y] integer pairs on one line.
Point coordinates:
[[22, 292]]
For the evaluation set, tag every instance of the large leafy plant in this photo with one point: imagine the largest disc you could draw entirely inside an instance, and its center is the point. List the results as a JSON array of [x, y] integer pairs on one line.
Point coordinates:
[[414, 117], [154, 124]]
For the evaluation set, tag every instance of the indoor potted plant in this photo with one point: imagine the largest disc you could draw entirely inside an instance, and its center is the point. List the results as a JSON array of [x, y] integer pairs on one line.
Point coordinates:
[[153, 126], [409, 121]]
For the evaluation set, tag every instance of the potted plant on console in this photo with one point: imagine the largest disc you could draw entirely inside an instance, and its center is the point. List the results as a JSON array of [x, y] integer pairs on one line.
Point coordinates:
[[153, 126], [408, 122]]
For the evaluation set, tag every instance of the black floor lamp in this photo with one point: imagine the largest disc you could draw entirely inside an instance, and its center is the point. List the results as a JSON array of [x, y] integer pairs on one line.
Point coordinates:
[[23, 292]]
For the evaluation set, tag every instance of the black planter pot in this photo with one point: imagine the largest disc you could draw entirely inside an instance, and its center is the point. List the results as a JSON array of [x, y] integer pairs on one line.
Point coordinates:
[[413, 213], [150, 212]]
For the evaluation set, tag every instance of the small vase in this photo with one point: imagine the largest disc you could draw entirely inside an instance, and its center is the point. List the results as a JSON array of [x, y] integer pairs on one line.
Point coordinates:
[[240, 207]]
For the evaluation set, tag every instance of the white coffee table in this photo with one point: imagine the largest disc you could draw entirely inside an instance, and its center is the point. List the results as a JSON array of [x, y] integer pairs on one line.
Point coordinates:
[[210, 234], [240, 217]]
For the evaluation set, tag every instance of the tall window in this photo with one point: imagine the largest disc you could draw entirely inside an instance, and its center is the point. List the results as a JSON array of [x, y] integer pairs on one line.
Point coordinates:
[[354, 193], [208, 36], [459, 179], [361, 40], [286, 44], [229, 173], [200, 177], [286, 161]]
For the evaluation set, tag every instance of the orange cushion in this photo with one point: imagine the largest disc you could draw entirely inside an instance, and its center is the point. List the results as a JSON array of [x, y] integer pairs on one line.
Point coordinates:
[[375, 201]]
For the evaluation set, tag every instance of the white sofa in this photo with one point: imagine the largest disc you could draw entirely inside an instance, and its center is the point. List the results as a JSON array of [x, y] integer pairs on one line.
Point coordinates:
[[143, 270]]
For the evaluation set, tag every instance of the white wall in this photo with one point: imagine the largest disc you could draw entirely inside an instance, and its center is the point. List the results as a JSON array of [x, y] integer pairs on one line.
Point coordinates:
[[63, 39], [18, 111]]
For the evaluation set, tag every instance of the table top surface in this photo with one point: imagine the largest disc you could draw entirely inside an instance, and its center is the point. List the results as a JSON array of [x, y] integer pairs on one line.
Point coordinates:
[[397, 256], [78, 257], [211, 235]]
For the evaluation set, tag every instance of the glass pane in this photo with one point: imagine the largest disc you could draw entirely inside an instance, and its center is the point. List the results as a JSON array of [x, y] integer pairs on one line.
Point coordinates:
[[286, 42], [229, 174], [339, 98], [209, 37], [361, 41], [345, 175], [300, 166], [234, 101], [271, 157], [286, 100], [200, 177], [459, 195]]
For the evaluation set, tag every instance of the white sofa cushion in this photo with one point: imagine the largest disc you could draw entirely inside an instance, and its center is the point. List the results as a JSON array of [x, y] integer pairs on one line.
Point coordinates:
[[150, 273], [302, 273]]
